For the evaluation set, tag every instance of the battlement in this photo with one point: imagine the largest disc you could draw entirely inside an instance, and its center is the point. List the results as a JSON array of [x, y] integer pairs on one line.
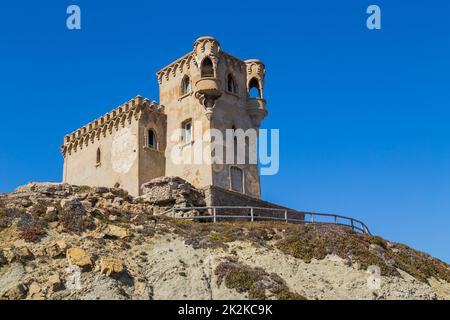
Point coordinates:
[[105, 124], [203, 46]]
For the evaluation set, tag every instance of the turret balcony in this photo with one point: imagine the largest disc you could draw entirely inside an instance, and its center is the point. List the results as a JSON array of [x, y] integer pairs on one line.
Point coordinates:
[[256, 109], [209, 87]]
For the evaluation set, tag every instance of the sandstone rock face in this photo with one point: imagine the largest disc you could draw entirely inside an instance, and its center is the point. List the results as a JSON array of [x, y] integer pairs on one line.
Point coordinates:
[[110, 266], [78, 257]]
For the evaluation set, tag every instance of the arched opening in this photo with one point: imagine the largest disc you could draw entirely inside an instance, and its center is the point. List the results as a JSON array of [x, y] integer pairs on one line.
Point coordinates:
[[237, 179], [117, 185], [207, 69], [152, 142], [231, 84], [99, 156], [185, 85], [254, 90]]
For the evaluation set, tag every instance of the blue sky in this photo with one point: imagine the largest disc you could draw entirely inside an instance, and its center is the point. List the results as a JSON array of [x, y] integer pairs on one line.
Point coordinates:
[[363, 115]]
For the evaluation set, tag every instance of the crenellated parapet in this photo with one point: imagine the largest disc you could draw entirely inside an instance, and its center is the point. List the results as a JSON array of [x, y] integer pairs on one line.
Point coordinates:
[[107, 124], [203, 47], [177, 67]]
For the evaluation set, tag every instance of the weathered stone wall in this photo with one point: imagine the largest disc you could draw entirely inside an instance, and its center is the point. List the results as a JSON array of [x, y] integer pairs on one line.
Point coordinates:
[[126, 161], [118, 165], [152, 161]]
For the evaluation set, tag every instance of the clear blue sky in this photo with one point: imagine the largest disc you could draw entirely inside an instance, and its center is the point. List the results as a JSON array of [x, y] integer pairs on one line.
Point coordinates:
[[364, 116]]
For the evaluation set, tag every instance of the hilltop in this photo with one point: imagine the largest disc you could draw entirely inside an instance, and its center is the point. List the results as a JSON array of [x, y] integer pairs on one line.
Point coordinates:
[[59, 241]]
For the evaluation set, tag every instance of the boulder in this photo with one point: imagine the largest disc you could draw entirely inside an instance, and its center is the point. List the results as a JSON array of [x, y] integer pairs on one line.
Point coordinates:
[[17, 292], [51, 210], [35, 292], [78, 257], [172, 191], [110, 266], [9, 255], [3, 260], [54, 283], [47, 188], [73, 205], [56, 249], [116, 232], [24, 254]]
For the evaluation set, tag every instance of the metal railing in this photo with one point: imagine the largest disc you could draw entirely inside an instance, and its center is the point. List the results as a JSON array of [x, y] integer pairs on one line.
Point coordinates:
[[212, 214]]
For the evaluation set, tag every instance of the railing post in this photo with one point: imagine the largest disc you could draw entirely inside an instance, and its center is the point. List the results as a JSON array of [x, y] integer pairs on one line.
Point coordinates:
[[353, 225], [251, 213], [335, 219], [214, 215], [285, 215], [312, 217]]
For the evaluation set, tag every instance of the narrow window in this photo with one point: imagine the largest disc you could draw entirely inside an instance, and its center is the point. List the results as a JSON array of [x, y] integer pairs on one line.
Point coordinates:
[[236, 177], [254, 91], [99, 156], [151, 139], [231, 84], [207, 69], [187, 131], [185, 85]]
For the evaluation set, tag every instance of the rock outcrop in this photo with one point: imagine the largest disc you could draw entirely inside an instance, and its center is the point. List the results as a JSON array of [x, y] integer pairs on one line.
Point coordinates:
[[168, 192], [59, 241]]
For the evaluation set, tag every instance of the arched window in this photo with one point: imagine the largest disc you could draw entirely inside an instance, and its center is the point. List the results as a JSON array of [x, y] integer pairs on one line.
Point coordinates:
[[237, 179], [185, 85], [99, 156], [207, 69], [254, 91], [231, 84], [151, 142]]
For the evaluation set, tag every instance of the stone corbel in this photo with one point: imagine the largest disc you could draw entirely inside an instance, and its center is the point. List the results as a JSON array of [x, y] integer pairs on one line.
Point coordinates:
[[208, 102]]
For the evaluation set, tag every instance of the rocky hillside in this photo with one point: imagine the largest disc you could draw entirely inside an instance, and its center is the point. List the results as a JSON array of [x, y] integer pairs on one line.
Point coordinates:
[[59, 241]]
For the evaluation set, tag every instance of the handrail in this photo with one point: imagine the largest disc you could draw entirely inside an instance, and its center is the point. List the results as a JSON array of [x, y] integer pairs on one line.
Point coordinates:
[[355, 224]]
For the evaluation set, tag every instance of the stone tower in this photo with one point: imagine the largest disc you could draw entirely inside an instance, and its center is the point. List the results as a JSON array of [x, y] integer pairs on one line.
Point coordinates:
[[207, 89], [210, 89]]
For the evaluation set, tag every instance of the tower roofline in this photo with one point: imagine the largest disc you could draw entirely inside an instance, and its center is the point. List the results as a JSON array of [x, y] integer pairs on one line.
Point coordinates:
[[187, 58]]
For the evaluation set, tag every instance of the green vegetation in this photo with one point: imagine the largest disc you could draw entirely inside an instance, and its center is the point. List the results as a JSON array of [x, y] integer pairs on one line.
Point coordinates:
[[256, 282], [309, 242]]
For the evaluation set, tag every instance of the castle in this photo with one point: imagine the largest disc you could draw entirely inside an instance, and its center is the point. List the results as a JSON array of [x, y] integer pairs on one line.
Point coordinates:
[[131, 145]]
